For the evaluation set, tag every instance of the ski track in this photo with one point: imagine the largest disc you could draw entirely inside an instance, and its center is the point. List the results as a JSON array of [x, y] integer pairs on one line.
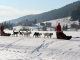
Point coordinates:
[[9, 45], [14, 49], [36, 54]]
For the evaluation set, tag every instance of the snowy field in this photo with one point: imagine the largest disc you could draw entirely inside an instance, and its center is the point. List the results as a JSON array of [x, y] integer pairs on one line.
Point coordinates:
[[31, 48]]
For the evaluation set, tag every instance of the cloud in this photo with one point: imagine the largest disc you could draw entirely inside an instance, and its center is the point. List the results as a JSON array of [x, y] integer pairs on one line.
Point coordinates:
[[7, 12]]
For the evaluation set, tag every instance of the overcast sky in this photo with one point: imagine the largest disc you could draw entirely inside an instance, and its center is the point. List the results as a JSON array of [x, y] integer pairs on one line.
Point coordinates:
[[12, 9]]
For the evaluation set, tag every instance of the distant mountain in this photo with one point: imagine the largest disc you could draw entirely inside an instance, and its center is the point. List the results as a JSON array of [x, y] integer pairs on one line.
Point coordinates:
[[50, 15]]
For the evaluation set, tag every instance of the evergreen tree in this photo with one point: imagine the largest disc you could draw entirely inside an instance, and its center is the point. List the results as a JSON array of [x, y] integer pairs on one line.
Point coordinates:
[[35, 21], [65, 27]]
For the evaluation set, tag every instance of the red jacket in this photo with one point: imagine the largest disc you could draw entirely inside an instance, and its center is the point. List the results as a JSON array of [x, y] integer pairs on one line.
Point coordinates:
[[58, 28], [2, 33], [2, 27]]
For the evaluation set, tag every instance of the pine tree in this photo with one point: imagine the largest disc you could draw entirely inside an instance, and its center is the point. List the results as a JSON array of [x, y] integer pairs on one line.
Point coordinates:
[[35, 21]]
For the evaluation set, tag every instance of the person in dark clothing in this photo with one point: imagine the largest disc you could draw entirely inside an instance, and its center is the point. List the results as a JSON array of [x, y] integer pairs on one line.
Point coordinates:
[[60, 34]]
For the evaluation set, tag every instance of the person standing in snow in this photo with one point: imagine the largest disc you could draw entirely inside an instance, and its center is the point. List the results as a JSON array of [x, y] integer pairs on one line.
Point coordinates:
[[1, 28], [60, 34], [58, 28], [2, 33]]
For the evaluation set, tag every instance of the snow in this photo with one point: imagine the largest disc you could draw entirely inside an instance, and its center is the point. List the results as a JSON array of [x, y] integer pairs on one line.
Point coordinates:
[[62, 21], [31, 48]]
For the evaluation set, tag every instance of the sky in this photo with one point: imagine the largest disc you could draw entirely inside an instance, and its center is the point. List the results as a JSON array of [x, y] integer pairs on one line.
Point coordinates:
[[12, 9]]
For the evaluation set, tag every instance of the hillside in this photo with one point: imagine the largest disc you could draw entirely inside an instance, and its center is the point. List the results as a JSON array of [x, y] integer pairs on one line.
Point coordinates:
[[50, 15], [63, 21], [75, 15]]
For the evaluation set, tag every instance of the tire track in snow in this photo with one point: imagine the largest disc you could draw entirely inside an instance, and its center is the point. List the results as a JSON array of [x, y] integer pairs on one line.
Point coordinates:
[[43, 45], [37, 49]]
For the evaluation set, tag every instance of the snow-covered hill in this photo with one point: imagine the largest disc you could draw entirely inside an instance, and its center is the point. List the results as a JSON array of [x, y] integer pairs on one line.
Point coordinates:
[[63, 21]]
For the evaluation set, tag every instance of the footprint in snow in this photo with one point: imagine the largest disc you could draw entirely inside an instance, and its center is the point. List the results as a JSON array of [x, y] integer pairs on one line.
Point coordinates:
[[79, 45], [70, 49]]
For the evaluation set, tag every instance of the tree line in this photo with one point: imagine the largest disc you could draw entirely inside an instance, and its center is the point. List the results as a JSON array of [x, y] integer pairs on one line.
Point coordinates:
[[7, 25], [75, 15], [10, 25]]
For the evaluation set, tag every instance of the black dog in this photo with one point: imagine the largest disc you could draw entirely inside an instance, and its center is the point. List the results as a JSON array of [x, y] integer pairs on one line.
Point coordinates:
[[37, 34]]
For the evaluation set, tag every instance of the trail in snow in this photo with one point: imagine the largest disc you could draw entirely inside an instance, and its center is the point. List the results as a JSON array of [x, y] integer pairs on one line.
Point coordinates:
[[9, 45]]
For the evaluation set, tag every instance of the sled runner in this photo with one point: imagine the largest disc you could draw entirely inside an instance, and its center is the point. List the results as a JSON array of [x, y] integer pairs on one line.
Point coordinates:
[[68, 37]]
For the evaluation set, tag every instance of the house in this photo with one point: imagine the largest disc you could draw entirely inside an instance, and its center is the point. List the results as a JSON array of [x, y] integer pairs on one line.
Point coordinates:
[[42, 24]]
